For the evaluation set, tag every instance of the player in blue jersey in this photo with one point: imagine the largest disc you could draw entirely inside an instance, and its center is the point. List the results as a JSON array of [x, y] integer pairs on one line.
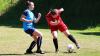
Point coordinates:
[[28, 18]]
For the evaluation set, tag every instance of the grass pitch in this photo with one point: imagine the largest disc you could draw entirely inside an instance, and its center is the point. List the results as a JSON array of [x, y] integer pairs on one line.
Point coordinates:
[[14, 42]]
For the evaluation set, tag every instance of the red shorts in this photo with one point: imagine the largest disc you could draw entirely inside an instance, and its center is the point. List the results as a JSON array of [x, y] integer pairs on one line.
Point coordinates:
[[60, 27]]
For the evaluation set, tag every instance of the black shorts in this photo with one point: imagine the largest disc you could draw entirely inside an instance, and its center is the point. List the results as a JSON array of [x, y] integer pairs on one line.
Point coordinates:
[[30, 31]]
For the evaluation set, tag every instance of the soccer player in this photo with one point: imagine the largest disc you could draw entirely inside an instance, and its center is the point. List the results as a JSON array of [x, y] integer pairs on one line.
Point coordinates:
[[28, 18], [55, 22]]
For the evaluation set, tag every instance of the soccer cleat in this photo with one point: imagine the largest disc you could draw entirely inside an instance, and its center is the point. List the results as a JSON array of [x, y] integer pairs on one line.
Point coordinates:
[[39, 51], [57, 50], [77, 46], [28, 51]]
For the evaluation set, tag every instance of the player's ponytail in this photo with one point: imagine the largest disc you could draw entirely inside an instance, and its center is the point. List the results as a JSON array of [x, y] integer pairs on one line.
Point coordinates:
[[27, 3]]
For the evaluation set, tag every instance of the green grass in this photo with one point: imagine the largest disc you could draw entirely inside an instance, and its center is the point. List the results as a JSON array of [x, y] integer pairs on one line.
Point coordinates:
[[94, 29], [14, 42]]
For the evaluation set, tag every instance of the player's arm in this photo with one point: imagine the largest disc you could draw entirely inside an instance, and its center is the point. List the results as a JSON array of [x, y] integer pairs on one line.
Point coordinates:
[[48, 18], [56, 22], [50, 21], [23, 19], [59, 10], [38, 18]]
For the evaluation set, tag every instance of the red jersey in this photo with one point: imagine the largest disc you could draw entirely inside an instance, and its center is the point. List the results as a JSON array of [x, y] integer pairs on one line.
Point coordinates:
[[50, 18], [61, 26]]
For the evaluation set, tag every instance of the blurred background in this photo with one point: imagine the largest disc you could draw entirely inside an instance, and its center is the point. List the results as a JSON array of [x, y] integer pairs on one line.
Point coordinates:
[[78, 14]]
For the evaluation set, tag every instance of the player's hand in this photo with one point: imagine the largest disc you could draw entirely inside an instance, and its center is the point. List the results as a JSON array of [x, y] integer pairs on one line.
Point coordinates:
[[38, 18], [57, 22], [61, 9], [30, 21], [39, 15]]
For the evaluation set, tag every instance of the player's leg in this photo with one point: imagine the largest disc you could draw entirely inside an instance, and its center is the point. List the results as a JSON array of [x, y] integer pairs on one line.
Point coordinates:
[[39, 41], [33, 43], [67, 33], [55, 41], [63, 28]]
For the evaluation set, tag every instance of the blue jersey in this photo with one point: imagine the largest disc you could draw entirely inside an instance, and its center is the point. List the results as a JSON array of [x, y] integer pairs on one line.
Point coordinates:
[[29, 16]]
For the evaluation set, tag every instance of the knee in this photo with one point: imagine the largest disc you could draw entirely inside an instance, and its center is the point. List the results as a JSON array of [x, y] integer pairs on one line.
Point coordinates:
[[40, 34], [54, 37], [67, 33]]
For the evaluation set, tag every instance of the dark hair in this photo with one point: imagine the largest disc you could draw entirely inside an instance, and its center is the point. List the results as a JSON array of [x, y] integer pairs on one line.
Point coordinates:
[[27, 3], [52, 11]]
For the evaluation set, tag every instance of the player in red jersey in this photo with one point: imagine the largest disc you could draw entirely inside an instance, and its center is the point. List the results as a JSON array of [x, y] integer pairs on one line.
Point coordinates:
[[55, 23]]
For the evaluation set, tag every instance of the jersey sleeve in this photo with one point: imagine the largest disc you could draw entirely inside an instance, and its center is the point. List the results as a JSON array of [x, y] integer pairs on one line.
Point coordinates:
[[25, 13], [58, 11], [48, 18]]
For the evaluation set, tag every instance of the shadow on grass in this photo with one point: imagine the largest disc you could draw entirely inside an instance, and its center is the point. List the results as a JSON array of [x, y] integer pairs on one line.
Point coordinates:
[[91, 33], [15, 54], [60, 52], [12, 54]]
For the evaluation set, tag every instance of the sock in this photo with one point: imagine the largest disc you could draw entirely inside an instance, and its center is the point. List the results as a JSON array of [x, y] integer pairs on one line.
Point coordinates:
[[39, 41], [55, 41], [72, 39], [32, 45]]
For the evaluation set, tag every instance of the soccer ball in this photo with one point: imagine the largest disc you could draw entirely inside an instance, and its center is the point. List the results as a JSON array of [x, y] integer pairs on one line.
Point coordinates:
[[70, 48]]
